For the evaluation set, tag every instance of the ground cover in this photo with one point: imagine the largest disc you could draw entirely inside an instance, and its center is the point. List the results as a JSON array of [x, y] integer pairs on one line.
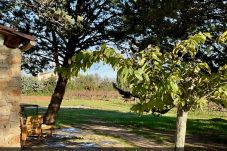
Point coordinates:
[[113, 119]]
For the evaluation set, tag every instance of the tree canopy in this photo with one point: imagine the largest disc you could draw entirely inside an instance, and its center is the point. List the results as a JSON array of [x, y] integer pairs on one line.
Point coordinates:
[[163, 23], [62, 28], [161, 79], [65, 27]]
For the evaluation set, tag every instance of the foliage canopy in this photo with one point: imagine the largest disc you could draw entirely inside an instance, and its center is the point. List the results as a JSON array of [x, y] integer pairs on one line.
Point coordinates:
[[164, 79]]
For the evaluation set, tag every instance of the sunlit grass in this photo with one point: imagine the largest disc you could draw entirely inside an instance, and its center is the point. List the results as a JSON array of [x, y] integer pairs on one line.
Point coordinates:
[[117, 112], [115, 105]]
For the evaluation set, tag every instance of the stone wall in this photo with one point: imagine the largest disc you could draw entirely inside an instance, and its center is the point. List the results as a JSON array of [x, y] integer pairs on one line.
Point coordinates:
[[10, 96]]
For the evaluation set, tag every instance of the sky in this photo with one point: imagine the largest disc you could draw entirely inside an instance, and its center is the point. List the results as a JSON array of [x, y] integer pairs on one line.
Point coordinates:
[[103, 70]]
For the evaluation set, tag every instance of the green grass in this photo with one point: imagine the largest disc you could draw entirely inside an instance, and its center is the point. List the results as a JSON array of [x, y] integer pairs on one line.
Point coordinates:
[[212, 125], [215, 128], [116, 105]]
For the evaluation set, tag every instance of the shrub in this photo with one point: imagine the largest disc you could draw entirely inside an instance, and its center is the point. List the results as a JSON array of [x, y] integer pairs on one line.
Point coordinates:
[[49, 85], [32, 86]]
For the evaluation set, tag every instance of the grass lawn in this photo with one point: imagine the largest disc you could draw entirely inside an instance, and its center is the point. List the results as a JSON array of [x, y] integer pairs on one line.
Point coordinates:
[[210, 126], [113, 105], [215, 128]]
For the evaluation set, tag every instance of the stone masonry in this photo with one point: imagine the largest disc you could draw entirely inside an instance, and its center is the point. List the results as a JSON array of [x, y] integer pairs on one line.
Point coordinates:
[[10, 96], [10, 88]]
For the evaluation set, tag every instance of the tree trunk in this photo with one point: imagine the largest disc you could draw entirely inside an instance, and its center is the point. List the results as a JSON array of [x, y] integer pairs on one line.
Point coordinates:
[[180, 129], [56, 99]]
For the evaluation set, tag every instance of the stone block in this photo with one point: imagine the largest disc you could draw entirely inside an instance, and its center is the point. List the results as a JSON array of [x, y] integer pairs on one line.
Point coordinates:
[[14, 71], [14, 52], [5, 50], [1, 97], [3, 84], [1, 132], [13, 100], [3, 103], [3, 61], [15, 82], [15, 107], [16, 59], [4, 73], [14, 140], [3, 57], [14, 117], [5, 111], [13, 95], [4, 120], [4, 117], [1, 126], [3, 64], [2, 39], [15, 92]]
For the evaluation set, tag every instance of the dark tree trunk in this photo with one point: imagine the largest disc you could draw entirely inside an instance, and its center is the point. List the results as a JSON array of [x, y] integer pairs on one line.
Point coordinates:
[[59, 92], [56, 99]]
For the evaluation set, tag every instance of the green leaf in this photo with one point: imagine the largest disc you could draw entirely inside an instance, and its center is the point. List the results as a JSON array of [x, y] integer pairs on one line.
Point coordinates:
[[200, 103], [146, 77], [223, 38], [204, 66], [138, 75], [103, 47], [196, 69], [208, 35], [174, 86], [125, 74], [142, 61]]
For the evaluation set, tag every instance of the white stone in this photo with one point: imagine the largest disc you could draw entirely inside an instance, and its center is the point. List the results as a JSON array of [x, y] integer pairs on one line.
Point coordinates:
[[5, 111], [14, 52], [3, 73]]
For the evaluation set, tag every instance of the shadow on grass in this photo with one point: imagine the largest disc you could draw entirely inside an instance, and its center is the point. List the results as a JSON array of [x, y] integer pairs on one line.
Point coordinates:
[[214, 127], [160, 129]]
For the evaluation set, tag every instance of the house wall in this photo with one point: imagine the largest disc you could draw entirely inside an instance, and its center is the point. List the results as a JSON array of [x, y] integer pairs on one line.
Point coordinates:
[[45, 76], [10, 96]]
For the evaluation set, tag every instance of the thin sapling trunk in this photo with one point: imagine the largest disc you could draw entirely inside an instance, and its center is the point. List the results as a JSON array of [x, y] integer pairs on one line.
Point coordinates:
[[181, 125]]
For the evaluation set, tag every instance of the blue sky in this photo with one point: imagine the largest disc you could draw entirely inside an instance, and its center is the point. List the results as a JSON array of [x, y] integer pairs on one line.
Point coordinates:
[[103, 70]]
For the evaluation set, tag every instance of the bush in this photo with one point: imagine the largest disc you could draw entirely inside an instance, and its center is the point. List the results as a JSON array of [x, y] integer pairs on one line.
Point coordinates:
[[90, 83], [106, 84], [32, 86], [49, 85]]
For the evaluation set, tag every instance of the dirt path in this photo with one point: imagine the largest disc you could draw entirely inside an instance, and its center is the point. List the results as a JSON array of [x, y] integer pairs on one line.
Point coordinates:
[[94, 136], [99, 134], [125, 134], [193, 143]]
